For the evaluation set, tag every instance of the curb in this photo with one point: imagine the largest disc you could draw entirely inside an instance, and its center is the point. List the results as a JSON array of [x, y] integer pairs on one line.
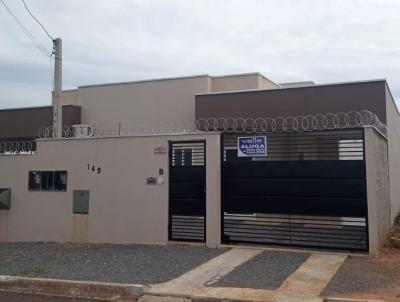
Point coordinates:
[[334, 299], [108, 291], [76, 289]]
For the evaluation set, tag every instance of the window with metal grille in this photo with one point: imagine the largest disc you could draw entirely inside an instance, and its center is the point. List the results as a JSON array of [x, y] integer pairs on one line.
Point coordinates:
[[183, 155], [47, 181]]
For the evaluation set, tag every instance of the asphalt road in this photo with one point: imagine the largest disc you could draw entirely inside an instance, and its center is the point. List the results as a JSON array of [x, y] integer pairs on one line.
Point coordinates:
[[14, 297]]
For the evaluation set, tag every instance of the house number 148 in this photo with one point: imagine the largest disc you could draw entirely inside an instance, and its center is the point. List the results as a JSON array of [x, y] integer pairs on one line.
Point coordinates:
[[94, 169]]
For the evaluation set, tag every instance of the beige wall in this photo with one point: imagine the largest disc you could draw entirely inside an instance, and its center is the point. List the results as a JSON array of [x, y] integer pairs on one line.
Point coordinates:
[[241, 82], [123, 209], [71, 97], [264, 83], [378, 190], [163, 100], [393, 124], [235, 82]]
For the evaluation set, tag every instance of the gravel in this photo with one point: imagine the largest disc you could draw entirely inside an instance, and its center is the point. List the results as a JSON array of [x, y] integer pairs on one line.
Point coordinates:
[[378, 276], [265, 271], [135, 264]]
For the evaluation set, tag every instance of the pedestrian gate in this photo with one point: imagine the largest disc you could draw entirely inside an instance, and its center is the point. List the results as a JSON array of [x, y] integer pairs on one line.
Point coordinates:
[[187, 204], [308, 191]]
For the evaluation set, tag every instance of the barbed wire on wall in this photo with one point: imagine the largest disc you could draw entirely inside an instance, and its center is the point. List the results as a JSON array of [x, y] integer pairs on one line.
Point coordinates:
[[318, 122], [27, 147], [309, 123]]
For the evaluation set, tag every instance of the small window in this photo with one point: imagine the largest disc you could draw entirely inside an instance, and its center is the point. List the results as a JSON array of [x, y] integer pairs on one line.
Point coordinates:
[[34, 181], [60, 180], [47, 181]]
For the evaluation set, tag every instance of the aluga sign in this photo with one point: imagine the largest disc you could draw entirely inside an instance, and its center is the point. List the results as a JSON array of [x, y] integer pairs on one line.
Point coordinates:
[[250, 146]]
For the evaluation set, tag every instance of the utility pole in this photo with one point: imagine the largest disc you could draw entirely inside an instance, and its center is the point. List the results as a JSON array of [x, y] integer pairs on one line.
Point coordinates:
[[57, 89]]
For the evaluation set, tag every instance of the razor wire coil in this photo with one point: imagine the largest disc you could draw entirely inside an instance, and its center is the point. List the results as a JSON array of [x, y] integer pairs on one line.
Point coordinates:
[[303, 123]]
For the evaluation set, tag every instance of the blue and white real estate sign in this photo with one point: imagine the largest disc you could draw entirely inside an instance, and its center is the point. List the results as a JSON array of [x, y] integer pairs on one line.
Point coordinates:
[[250, 146]]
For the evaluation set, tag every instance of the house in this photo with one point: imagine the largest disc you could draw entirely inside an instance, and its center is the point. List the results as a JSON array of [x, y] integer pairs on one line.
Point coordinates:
[[234, 159]]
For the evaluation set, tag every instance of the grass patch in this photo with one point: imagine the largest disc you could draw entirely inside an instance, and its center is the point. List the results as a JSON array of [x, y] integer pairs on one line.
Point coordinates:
[[30, 272], [396, 226], [395, 232]]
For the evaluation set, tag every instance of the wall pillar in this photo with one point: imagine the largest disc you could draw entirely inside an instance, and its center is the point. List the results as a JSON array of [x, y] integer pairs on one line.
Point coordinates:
[[213, 194], [378, 190]]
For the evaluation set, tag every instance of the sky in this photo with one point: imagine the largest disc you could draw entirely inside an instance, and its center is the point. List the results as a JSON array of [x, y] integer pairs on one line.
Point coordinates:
[[105, 41]]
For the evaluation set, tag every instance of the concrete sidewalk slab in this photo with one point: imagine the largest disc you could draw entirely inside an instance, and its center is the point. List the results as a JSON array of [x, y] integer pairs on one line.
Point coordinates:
[[304, 284], [309, 280], [191, 284]]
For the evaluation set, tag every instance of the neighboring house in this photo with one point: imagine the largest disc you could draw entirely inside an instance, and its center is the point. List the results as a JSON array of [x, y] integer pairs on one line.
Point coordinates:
[[227, 159]]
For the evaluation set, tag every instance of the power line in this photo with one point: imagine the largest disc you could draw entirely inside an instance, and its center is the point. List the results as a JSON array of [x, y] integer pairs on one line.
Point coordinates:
[[26, 31], [37, 20]]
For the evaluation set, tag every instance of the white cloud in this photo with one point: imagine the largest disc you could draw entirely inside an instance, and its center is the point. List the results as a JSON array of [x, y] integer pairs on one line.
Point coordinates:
[[286, 40]]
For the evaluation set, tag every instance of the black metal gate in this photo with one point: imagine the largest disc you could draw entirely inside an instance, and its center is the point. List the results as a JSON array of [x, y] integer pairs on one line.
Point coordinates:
[[187, 187], [309, 191]]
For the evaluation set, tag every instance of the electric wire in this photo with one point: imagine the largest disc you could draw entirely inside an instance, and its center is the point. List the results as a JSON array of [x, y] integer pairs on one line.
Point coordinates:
[[37, 20], [38, 45]]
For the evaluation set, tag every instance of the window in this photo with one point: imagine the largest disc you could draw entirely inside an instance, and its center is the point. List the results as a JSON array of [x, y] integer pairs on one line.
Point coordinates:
[[47, 181], [60, 181], [34, 181]]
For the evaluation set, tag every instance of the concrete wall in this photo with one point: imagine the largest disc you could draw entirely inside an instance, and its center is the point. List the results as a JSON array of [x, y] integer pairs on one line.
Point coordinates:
[[241, 82], [163, 100], [25, 122], [264, 83], [71, 97], [393, 124], [296, 84], [378, 190], [123, 209], [234, 82], [295, 101]]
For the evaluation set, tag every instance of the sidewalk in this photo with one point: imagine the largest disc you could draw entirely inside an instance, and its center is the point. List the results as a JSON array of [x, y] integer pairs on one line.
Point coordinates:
[[195, 273]]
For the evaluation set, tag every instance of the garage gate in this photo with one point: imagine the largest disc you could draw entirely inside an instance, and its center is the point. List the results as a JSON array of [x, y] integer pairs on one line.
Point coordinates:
[[309, 191]]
